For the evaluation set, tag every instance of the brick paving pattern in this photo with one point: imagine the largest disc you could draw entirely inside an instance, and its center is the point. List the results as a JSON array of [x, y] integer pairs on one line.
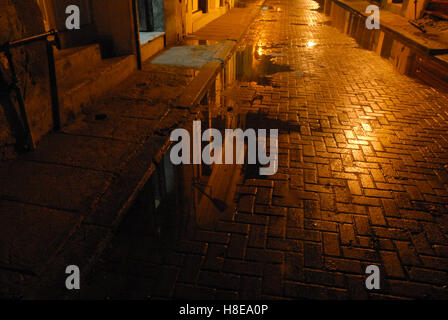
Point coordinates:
[[363, 181]]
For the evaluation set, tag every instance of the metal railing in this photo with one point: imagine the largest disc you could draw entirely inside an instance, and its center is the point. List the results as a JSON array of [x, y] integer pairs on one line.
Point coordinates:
[[51, 39]]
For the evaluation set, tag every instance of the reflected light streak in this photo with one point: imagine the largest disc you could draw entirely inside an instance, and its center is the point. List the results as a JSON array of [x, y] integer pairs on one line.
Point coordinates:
[[259, 48]]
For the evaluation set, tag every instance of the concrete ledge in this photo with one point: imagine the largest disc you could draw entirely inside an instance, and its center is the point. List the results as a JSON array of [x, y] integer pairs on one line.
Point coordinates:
[[152, 47], [192, 95], [198, 87]]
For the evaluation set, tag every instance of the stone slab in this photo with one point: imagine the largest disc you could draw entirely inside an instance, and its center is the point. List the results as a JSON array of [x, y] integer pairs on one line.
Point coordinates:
[[83, 151], [50, 185], [129, 129], [31, 235]]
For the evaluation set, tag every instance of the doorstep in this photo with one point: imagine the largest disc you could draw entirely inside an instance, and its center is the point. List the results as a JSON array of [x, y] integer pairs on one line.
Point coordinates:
[[83, 75], [76, 93]]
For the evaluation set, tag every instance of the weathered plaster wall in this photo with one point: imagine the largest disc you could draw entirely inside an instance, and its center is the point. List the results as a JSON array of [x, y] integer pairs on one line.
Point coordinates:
[[113, 20], [409, 8], [18, 19], [198, 19], [174, 20]]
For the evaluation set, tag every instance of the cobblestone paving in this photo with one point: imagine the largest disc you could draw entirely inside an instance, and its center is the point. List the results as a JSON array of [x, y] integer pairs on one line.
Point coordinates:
[[362, 182]]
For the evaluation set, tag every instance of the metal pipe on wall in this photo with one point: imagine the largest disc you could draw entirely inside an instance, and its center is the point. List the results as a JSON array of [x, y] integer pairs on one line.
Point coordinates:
[[137, 35]]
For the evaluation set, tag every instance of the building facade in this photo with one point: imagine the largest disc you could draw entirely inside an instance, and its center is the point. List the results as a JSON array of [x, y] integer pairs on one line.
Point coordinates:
[[115, 38], [411, 9]]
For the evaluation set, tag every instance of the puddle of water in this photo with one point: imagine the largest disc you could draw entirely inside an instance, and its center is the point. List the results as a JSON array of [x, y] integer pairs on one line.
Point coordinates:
[[190, 197], [381, 42], [308, 24], [178, 198], [255, 65], [200, 42], [178, 201]]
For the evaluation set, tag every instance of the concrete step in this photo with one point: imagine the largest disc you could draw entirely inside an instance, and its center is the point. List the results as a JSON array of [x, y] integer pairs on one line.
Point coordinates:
[[71, 63], [75, 93], [152, 43]]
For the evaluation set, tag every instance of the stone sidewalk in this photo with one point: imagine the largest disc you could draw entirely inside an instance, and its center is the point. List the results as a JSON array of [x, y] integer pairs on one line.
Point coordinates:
[[362, 180], [60, 204]]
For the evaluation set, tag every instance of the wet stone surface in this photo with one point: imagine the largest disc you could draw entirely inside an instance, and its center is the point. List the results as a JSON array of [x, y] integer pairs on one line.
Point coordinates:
[[361, 181]]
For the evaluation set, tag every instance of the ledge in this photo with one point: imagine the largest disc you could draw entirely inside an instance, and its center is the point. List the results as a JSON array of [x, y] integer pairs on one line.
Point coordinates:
[[151, 48], [399, 26]]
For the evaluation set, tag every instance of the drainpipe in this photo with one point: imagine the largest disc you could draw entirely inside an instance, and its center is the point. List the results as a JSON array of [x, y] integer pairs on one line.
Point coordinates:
[[54, 41], [415, 9], [137, 35]]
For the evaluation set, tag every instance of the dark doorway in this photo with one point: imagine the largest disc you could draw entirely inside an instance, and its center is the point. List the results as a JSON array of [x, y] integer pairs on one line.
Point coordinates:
[[199, 5], [151, 15], [145, 15], [203, 5]]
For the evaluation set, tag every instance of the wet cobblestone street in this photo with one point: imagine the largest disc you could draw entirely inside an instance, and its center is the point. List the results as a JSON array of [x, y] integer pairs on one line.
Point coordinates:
[[362, 180]]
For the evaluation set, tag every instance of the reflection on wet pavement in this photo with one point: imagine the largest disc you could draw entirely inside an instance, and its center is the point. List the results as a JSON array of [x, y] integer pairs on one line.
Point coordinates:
[[178, 203], [253, 64], [223, 231]]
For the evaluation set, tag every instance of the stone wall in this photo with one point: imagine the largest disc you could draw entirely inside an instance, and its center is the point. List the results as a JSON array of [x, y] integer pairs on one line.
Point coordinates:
[[18, 19]]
